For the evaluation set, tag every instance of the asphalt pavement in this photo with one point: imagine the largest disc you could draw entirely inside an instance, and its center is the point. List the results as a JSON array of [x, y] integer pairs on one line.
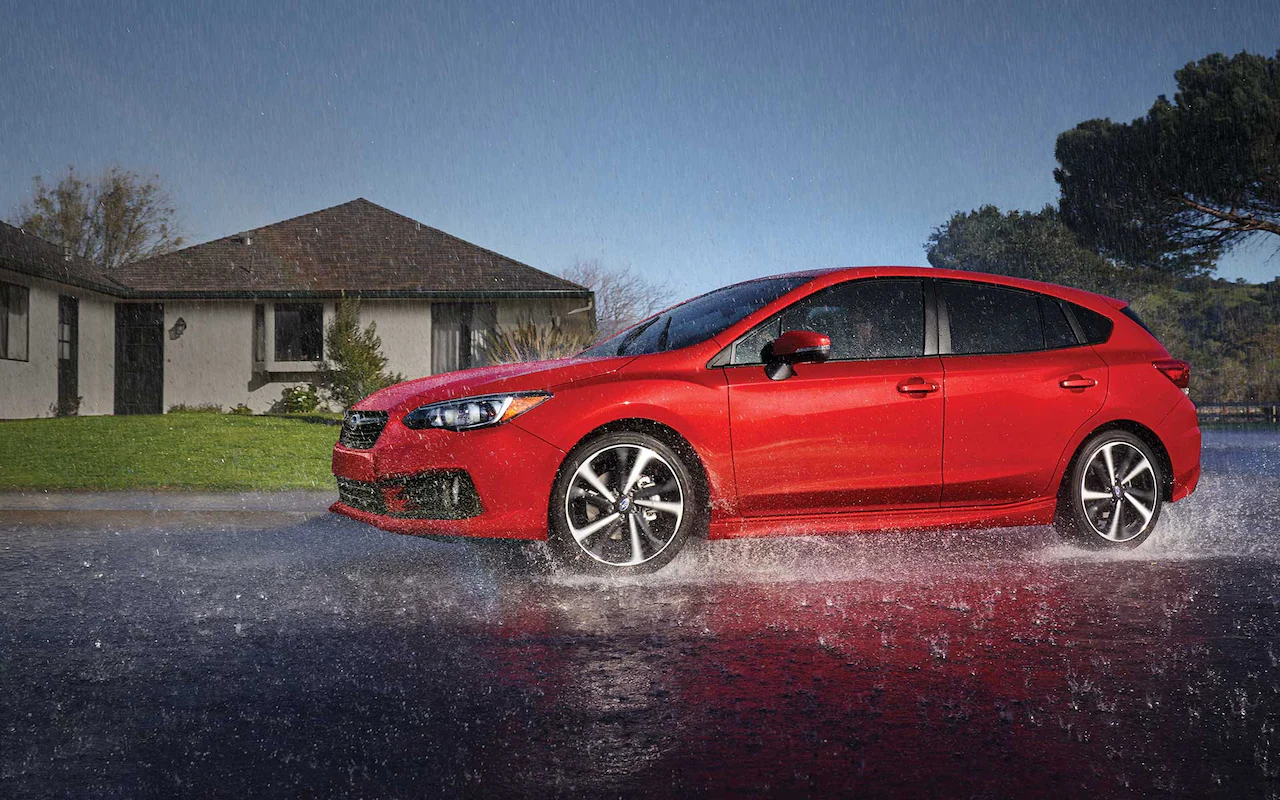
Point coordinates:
[[261, 647]]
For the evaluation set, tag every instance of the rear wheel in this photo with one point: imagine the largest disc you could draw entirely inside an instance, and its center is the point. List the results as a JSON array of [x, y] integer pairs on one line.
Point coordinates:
[[1114, 493], [623, 503]]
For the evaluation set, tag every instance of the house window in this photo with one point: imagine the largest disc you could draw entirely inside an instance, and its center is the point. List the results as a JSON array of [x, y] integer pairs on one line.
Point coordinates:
[[259, 335], [460, 334], [299, 331], [14, 300], [67, 313]]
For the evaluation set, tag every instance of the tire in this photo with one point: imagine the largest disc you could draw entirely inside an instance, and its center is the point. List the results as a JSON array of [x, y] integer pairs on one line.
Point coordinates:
[[608, 519], [1112, 495]]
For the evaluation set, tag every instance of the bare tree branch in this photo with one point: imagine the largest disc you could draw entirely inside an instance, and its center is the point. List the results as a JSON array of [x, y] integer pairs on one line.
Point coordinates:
[[1236, 222], [118, 218], [622, 296]]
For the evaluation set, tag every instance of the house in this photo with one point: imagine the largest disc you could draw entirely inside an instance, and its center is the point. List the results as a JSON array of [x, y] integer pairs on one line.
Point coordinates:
[[234, 321]]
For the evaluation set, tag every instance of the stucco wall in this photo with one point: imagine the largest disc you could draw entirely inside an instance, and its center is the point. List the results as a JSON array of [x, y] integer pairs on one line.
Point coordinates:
[[405, 329], [212, 361], [30, 388], [97, 353]]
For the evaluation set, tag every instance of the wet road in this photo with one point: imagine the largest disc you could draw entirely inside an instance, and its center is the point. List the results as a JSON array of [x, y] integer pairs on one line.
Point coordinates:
[[293, 654]]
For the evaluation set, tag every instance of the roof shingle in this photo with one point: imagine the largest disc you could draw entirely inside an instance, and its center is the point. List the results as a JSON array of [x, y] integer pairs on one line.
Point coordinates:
[[29, 254], [357, 248], [354, 248]]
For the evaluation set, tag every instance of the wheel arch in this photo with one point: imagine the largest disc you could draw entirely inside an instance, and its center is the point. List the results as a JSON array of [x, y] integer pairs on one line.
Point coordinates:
[[1145, 434], [663, 433]]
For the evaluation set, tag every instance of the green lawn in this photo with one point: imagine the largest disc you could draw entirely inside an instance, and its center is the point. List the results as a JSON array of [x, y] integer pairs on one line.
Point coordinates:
[[202, 452]]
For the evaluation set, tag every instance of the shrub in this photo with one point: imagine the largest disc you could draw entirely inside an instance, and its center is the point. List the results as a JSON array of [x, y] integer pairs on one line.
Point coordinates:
[[201, 408], [241, 410], [301, 399], [71, 408], [530, 341]]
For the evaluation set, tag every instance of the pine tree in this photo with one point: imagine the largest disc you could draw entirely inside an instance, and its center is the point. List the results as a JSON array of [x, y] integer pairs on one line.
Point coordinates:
[[354, 367]]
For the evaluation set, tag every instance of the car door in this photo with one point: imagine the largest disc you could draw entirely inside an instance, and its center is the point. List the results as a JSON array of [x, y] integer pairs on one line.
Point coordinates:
[[860, 432], [1018, 386]]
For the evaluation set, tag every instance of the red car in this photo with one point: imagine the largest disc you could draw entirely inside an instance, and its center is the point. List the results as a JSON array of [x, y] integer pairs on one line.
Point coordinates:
[[816, 402]]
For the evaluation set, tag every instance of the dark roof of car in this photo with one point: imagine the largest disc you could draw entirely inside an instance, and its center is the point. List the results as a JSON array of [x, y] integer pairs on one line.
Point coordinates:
[[354, 248], [837, 274], [29, 254]]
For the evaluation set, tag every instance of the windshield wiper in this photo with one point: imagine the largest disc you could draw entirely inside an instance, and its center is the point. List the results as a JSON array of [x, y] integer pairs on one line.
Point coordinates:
[[662, 338], [631, 337]]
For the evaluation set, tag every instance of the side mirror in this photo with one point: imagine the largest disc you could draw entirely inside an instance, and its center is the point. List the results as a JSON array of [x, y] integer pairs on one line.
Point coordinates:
[[795, 347]]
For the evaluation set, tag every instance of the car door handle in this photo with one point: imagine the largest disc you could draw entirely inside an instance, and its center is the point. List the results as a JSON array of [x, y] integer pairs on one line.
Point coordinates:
[[1077, 382], [917, 386]]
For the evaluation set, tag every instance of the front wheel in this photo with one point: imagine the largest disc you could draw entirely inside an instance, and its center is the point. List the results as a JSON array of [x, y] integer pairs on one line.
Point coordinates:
[[1113, 497], [623, 503]]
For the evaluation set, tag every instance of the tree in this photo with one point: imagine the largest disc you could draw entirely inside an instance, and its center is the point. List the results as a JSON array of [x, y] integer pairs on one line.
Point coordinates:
[[118, 218], [1189, 180], [355, 367], [622, 297], [1230, 331], [1024, 244]]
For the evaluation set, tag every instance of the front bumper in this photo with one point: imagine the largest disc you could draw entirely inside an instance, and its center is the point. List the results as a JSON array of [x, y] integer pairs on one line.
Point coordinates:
[[505, 471]]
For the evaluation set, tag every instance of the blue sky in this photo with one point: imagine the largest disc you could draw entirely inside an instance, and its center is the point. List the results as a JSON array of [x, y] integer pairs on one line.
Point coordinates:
[[696, 142]]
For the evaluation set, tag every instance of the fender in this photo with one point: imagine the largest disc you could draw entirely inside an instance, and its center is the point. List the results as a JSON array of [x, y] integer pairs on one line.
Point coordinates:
[[691, 402]]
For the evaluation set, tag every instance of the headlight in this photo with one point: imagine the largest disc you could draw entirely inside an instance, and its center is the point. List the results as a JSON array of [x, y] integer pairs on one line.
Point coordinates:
[[469, 413]]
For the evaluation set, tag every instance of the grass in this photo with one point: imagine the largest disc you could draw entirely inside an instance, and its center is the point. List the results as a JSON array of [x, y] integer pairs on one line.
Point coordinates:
[[198, 452]]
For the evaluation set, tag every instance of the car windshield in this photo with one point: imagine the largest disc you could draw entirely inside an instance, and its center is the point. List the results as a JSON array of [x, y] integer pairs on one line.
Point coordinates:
[[696, 320]]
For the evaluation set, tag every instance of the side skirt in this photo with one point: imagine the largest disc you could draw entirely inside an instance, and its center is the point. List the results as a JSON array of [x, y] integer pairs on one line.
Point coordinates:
[[1031, 512]]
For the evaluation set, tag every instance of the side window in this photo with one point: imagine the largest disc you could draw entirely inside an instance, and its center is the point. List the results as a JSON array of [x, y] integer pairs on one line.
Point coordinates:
[[1096, 327], [991, 319], [750, 348], [1057, 331], [866, 319]]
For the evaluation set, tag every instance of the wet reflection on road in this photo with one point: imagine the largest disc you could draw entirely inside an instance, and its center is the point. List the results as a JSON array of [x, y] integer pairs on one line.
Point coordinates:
[[296, 654]]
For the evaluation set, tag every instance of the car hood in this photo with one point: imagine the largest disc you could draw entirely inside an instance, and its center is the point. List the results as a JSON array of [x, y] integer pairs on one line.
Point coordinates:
[[525, 377]]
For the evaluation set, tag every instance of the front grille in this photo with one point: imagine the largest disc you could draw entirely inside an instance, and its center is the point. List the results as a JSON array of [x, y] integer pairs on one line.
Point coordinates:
[[361, 429], [361, 496], [447, 494]]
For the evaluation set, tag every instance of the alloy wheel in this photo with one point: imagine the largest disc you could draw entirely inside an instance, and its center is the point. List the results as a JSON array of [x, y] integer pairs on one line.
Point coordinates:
[[624, 505], [1120, 492]]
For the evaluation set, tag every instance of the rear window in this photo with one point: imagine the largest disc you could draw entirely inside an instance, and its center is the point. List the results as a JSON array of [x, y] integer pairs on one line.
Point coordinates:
[[1133, 315], [1096, 327]]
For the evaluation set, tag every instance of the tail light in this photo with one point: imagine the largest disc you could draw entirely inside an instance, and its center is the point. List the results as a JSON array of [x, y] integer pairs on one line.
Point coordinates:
[[1176, 370]]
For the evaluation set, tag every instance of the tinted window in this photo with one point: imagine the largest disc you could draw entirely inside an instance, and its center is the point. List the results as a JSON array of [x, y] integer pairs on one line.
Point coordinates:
[[1133, 315], [1057, 330], [1096, 327], [991, 319], [750, 348], [698, 319], [865, 319]]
